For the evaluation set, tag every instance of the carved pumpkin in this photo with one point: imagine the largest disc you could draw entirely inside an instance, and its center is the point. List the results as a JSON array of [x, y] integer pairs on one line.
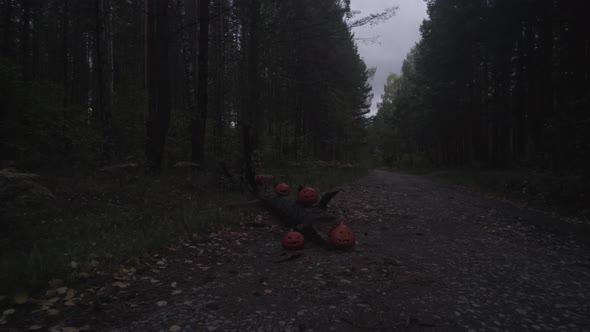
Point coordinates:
[[293, 241], [308, 196], [282, 189], [262, 179], [342, 236]]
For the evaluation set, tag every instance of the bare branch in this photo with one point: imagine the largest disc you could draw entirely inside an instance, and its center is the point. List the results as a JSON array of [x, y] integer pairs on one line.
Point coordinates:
[[373, 19]]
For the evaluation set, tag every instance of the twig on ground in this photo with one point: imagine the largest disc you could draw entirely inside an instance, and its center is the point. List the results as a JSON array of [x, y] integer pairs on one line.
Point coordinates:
[[290, 258]]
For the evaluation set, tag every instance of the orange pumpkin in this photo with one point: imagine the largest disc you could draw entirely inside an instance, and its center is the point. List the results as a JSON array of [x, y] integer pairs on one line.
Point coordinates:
[[259, 179], [293, 241], [308, 196], [282, 189], [342, 236]]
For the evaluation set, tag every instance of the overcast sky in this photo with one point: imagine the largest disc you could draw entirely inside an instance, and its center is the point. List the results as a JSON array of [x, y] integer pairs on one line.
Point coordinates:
[[396, 37]]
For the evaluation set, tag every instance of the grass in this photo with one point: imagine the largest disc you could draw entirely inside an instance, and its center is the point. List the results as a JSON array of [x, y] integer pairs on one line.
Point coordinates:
[[97, 224], [567, 195], [323, 179]]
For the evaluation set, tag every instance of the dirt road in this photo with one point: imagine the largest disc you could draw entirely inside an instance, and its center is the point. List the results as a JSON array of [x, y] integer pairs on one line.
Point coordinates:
[[429, 257]]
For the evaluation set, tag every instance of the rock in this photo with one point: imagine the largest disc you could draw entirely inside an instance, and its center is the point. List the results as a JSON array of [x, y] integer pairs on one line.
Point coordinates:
[[9, 312]]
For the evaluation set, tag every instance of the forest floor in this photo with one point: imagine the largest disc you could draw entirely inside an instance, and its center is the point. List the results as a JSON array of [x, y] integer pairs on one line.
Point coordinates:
[[430, 256]]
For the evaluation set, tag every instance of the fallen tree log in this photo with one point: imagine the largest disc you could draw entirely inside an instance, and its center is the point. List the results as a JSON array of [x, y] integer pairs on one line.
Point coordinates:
[[295, 215], [286, 209], [299, 217]]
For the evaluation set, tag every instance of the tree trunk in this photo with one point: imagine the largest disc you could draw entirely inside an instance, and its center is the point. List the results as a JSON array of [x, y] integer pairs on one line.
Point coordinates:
[[302, 218], [219, 79], [8, 47], [158, 82], [66, 141], [189, 69], [199, 118], [26, 40], [104, 59], [249, 131]]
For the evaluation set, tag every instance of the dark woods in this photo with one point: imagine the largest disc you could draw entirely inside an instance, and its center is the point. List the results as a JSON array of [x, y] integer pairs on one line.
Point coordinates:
[[90, 83], [492, 84], [495, 84]]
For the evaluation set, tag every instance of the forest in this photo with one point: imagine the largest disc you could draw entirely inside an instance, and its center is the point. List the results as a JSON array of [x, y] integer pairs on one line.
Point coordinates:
[[220, 165], [93, 83], [501, 84]]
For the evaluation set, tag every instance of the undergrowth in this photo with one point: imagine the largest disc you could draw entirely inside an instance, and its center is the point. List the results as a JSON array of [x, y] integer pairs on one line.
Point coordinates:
[[96, 224], [566, 195]]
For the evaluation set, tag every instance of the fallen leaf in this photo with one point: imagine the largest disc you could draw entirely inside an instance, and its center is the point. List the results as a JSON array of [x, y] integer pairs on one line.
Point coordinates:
[[53, 312], [62, 290], [175, 328], [176, 292], [9, 312], [83, 275], [70, 294], [161, 303], [268, 291], [52, 301], [74, 265], [35, 327], [173, 285], [120, 284], [50, 293], [154, 281], [56, 283], [21, 297], [69, 303], [70, 329]]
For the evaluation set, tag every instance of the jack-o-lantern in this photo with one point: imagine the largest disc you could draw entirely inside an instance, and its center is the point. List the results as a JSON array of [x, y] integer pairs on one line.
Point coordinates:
[[308, 196], [259, 179], [282, 189], [342, 236], [293, 241]]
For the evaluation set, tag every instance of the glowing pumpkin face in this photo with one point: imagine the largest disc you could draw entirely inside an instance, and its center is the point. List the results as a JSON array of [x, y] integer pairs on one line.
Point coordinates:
[[282, 189], [293, 241], [342, 237], [308, 196]]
